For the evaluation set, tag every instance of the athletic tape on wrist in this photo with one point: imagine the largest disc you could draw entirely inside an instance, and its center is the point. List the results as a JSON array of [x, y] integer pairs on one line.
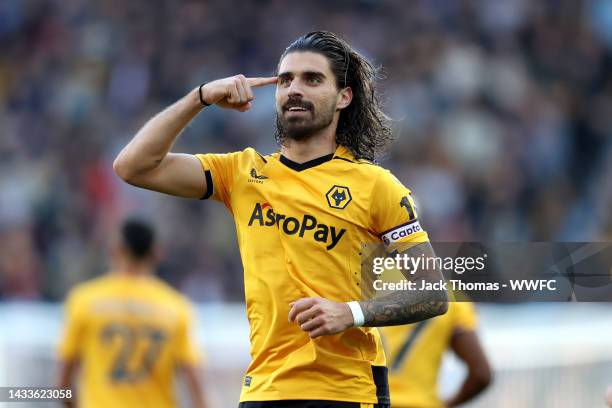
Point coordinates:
[[358, 317]]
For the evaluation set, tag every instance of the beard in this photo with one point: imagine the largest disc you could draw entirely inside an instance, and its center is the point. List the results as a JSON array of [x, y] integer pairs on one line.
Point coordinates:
[[304, 126]]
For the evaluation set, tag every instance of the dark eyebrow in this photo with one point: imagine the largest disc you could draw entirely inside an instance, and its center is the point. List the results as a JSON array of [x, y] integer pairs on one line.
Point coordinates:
[[312, 74], [286, 74]]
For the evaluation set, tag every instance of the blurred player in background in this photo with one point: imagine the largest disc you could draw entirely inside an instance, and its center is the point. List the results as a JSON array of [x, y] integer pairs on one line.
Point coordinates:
[[128, 332], [415, 354], [301, 216]]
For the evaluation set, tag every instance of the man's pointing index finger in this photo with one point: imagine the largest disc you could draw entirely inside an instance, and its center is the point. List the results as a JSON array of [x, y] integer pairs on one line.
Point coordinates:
[[261, 81]]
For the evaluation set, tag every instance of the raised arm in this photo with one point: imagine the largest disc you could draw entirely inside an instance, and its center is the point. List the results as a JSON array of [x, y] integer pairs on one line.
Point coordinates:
[[146, 161]]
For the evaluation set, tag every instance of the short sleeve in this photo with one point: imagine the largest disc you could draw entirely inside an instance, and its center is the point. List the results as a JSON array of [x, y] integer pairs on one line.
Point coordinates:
[[186, 349], [394, 213], [220, 171], [465, 318], [74, 326]]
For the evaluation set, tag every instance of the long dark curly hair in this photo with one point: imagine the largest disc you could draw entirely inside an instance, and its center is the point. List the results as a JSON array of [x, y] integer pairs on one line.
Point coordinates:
[[362, 127]]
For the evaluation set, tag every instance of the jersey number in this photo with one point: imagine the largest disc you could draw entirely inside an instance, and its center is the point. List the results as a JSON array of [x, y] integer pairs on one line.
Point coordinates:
[[124, 369], [402, 353], [404, 202]]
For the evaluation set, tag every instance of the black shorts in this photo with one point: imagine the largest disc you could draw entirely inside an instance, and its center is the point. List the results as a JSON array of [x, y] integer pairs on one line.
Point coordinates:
[[307, 404], [379, 373]]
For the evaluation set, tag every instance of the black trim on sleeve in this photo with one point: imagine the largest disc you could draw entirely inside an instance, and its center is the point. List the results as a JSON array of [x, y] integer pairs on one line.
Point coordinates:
[[262, 158], [209, 185]]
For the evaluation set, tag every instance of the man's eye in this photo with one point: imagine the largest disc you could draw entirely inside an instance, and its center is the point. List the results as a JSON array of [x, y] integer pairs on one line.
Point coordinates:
[[314, 80], [284, 81]]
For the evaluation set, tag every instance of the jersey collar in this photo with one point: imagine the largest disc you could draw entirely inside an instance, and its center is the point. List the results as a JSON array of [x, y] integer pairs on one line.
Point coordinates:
[[341, 153], [306, 165]]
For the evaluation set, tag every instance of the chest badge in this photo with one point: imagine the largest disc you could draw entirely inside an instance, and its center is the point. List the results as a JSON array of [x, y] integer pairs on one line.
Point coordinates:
[[338, 197]]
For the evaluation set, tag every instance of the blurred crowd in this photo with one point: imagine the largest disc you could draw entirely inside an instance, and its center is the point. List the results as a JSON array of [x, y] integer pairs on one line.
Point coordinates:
[[502, 108]]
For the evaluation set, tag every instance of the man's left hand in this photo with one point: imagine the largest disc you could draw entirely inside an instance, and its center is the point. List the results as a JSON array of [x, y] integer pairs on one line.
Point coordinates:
[[320, 317]]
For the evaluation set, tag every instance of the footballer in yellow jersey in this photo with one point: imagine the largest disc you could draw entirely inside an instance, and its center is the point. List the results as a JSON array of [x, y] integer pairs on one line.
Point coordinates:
[[129, 333], [301, 216], [300, 228], [415, 352]]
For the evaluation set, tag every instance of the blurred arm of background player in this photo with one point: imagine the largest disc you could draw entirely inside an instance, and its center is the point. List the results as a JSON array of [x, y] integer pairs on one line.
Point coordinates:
[[146, 162], [467, 347], [67, 370], [194, 379]]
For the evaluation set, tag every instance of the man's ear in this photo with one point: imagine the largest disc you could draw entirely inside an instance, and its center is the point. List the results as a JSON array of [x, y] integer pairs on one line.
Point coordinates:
[[344, 98]]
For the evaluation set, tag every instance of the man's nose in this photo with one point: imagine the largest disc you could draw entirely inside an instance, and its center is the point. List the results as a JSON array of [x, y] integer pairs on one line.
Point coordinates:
[[295, 88]]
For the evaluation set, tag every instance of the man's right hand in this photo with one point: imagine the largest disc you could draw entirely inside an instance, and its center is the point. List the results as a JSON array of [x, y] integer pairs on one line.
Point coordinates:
[[146, 161], [233, 92]]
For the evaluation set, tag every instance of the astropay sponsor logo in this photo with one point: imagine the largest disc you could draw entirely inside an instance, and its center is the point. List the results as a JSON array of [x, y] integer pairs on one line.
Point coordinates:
[[305, 227], [396, 234]]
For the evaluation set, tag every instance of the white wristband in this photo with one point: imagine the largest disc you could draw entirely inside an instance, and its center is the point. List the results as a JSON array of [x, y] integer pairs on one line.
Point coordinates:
[[358, 318]]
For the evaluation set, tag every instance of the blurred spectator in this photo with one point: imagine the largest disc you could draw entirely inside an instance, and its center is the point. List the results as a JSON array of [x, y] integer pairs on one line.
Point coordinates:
[[503, 108]]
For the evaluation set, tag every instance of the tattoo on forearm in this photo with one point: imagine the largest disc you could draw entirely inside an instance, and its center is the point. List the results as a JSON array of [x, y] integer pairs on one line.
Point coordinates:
[[404, 307]]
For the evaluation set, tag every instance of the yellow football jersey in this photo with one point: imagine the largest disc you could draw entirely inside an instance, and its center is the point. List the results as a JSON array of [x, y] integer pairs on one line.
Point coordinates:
[[300, 228], [415, 353], [129, 334]]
